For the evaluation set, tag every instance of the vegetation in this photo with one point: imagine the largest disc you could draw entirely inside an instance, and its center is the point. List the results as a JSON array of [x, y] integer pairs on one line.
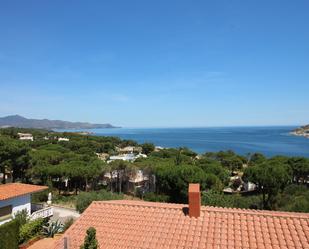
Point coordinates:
[[84, 199], [30, 230], [69, 222], [147, 148], [90, 239], [9, 235], [156, 197], [76, 176], [52, 228], [214, 198]]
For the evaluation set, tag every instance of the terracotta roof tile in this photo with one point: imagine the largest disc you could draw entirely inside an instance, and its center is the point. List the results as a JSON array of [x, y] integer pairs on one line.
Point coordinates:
[[136, 224], [11, 190]]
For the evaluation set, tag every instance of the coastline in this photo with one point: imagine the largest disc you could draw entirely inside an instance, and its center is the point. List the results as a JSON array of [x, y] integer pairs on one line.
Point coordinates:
[[305, 135], [302, 131]]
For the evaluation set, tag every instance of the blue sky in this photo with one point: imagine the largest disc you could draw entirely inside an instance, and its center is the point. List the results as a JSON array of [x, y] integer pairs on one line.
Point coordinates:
[[156, 63]]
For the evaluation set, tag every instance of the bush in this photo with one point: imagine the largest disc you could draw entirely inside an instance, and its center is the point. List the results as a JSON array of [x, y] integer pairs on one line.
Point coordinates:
[[156, 197], [67, 224], [30, 230], [40, 196], [52, 228], [213, 198], [90, 239], [22, 217], [9, 235], [84, 199], [294, 198]]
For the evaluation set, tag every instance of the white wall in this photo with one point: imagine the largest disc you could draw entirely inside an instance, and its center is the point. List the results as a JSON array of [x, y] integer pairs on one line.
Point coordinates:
[[18, 204]]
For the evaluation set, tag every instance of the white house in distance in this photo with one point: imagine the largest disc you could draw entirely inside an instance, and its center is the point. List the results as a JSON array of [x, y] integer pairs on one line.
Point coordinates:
[[126, 157], [129, 149], [63, 139], [15, 197], [25, 136]]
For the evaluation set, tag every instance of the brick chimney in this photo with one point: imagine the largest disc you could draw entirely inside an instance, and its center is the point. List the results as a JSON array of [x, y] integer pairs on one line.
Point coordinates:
[[194, 200]]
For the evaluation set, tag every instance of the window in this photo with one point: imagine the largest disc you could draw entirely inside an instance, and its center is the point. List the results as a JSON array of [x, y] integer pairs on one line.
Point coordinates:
[[5, 212]]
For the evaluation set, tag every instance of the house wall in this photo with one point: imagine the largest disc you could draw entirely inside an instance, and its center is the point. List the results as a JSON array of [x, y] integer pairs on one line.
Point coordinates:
[[18, 204]]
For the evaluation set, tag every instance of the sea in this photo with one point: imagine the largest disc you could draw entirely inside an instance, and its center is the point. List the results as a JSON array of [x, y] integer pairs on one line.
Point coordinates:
[[270, 141]]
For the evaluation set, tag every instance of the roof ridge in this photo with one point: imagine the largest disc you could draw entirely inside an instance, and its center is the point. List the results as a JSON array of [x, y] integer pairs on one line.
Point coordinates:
[[256, 212], [272, 213]]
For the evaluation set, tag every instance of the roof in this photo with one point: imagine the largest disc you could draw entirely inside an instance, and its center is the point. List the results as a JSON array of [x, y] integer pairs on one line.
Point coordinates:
[[11, 190], [138, 224]]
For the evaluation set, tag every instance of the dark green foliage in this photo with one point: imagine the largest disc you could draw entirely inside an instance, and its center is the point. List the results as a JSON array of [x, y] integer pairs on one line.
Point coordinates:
[[22, 217], [147, 148], [174, 180], [256, 158], [156, 197], [67, 224], [30, 230], [210, 166], [90, 239], [84, 199], [9, 235], [228, 159], [14, 157], [40, 196], [300, 169], [213, 198], [294, 198], [270, 177]]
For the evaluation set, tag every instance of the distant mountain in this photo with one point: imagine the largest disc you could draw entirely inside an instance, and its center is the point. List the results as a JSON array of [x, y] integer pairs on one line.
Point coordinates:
[[22, 122]]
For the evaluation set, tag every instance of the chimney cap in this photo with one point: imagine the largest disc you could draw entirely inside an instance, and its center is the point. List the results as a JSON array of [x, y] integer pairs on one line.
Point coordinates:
[[194, 200], [194, 188]]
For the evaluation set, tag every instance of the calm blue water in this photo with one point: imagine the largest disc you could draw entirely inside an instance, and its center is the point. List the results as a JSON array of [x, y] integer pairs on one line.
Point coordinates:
[[267, 140]]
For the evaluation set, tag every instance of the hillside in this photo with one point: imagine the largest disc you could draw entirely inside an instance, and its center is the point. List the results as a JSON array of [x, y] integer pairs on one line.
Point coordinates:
[[22, 122]]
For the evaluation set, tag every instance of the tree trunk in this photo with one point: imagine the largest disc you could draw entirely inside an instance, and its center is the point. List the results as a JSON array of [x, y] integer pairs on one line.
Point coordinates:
[[86, 180], [111, 182], [120, 183], [264, 199], [3, 172]]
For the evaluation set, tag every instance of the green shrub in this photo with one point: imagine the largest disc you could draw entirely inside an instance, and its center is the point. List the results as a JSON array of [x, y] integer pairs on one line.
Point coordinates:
[[40, 196], [30, 230], [52, 228], [294, 198], [22, 217], [90, 241], [156, 197], [84, 199], [9, 235], [213, 198], [67, 224]]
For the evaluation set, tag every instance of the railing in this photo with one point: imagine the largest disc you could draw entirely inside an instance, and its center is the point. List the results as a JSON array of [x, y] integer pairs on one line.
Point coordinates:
[[42, 213]]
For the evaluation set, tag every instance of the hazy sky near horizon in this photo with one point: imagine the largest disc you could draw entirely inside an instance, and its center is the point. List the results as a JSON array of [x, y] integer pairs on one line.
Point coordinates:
[[156, 63]]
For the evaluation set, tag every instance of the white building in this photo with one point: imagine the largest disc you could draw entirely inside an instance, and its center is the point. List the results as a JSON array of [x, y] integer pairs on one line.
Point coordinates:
[[158, 148], [129, 149], [249, 186], [126, 157], [25, 136], [63, 139], [15, 197]]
